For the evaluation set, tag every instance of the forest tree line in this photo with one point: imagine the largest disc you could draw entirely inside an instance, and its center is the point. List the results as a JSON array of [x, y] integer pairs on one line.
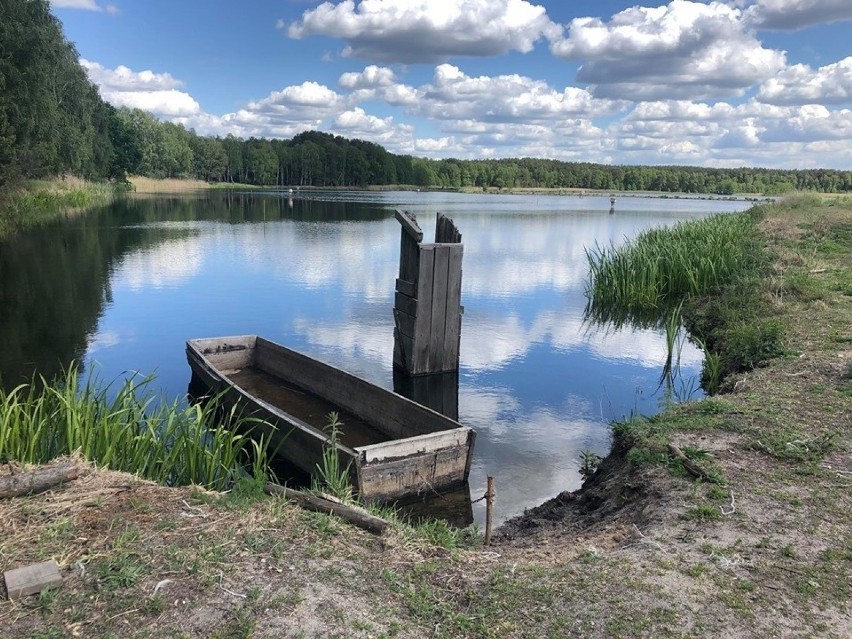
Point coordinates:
[[53, 121]]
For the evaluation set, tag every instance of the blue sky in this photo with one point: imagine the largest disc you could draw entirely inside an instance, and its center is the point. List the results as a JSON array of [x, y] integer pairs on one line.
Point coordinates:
[[734, 83]]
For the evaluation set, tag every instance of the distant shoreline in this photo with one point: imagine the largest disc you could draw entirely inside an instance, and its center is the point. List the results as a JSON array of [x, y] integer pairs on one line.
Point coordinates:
[[148, 186]]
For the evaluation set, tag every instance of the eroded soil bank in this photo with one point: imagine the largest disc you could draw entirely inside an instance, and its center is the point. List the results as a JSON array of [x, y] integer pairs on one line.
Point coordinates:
[[644, 550]]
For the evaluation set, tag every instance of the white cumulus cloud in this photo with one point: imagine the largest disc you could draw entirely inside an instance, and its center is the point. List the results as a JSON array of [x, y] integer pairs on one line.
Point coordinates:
[[411, 31], [453, 95], [154, 92], [723, 134], [124, 79], [86, 5], [169, 103], [791, 15], [371, 77], [685, 49], [801, 84]]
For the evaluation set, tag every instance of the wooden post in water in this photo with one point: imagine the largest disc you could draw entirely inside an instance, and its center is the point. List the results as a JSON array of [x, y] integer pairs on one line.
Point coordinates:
[[427, 307], [489, 508]]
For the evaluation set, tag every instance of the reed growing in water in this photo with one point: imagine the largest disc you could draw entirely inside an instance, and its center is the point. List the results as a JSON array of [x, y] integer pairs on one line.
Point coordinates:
[[704, 275], [169, 443], [644, 279], [45, 200]]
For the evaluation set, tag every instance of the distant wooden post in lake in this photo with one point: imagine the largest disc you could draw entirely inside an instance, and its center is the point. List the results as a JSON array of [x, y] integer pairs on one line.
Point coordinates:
[[427, 309]]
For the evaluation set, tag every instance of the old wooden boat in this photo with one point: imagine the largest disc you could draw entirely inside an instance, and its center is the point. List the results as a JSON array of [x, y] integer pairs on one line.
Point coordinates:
[[396, 446]]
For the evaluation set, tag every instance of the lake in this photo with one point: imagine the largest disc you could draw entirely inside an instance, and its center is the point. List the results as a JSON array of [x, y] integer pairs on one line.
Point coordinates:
[[122, 288]]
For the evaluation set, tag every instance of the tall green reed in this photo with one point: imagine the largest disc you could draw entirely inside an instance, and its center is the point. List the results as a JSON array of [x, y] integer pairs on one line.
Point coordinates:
[[170, 443], [332, 476], [652, 280], [644, 278], [44, 202]]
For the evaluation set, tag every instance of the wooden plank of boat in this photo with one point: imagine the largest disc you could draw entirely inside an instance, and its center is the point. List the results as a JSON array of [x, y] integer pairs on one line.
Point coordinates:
[[397, 447]]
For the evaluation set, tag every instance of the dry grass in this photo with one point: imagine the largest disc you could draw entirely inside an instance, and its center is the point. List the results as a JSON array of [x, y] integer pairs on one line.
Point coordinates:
[[152, 185]]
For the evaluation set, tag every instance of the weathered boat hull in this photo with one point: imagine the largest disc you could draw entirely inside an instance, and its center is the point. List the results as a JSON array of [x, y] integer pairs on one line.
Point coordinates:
[[420, 448]]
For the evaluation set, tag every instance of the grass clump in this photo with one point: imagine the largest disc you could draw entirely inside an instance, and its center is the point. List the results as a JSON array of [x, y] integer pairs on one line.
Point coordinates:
[[43, 201], [705, 275], [168, 443], [332, 476], [642, 279]]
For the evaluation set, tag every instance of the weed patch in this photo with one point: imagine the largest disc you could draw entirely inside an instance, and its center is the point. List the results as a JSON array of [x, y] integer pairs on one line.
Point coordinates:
[[169, 443]]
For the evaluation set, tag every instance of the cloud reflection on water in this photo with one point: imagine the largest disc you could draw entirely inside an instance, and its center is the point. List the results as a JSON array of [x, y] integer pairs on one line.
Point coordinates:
[[536, 381]]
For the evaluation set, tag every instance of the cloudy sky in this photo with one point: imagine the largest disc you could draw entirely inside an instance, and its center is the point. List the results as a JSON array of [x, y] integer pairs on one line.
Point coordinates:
[[733, 83]]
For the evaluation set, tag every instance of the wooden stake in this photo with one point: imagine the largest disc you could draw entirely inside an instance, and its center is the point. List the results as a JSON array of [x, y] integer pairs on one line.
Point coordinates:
[[489, 507]]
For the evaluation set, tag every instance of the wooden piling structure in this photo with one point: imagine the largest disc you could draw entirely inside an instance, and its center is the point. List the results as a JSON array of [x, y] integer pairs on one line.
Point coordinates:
[[440, 391], [427, 306]]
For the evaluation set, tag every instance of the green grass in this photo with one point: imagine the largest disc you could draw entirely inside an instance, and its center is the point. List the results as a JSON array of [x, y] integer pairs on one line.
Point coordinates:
[[706, 276], [645, 278], [42, 202], [169, 443], [332, 476]]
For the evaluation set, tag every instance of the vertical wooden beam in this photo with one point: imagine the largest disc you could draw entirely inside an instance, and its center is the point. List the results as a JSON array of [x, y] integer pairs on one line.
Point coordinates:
[[452, 324], [423, 320], [428, 291], [446, 231], [435, 361]]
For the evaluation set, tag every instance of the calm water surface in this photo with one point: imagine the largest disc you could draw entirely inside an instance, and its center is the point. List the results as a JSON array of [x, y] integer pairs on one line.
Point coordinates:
[[122, 289]]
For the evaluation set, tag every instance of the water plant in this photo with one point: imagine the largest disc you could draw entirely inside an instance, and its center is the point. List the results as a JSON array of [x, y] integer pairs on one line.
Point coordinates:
[[641, 280], [589, 462], [702, 276], [44, 201], [332, 476], [128, 429], [711, 371]]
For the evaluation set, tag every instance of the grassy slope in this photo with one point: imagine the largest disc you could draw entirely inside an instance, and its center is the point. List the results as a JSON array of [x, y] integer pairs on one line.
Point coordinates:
[[644, 550]]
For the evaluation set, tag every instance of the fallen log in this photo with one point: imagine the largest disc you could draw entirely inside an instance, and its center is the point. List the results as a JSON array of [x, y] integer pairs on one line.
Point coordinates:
[[691, 467], [36, 481], [354, 515]]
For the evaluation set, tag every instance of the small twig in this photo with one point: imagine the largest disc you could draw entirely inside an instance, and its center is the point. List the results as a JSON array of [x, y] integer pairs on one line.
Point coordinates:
[[724, 562], [691, 467], [200, 514], [121, 614], [185, 503], [161, 584], [645, 540], [230, 592], [733, 506]]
